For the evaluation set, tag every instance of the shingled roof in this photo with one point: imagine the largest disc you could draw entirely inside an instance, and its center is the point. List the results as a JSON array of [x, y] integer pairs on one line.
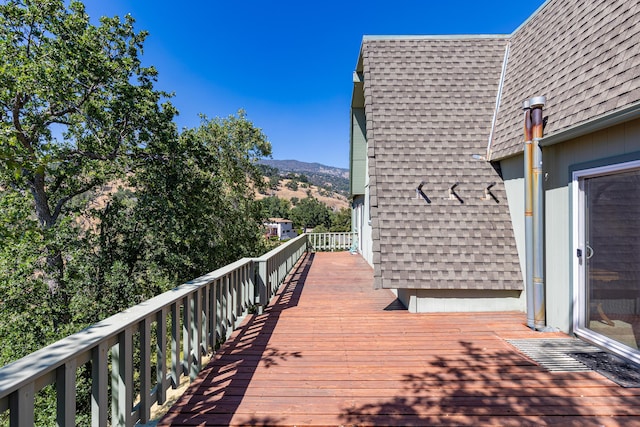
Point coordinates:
[[429, 103], [584, 56]]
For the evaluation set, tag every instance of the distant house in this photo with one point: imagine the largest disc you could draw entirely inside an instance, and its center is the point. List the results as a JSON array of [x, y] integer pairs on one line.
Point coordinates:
[[280, 227], [438, 170]]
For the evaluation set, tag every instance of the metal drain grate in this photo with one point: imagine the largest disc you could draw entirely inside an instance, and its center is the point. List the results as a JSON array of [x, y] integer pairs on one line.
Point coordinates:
[[555, 354]]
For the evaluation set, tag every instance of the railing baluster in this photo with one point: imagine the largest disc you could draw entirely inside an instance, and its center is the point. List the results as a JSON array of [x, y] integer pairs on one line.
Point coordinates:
[[251, 284], [240, 306], [161, 356], [213, 311], [175, 345], [66, 394], [122, 380], [21, 406], [99, 386], [243, 290], [204, 325], [186, 335], [335, 241], [219, 310], [194, 322], [233, 282], [263, 280], [145, 370], [229, 323], [201, 312]]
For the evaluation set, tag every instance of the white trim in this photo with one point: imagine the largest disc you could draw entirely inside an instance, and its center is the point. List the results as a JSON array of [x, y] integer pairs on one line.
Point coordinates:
[[505, 61], [579, 288]]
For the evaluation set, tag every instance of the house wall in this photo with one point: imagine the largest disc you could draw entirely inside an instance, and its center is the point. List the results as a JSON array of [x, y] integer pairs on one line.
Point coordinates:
[[459, 300], [558, 161], [597, 148], [513, 175], [361, 223]]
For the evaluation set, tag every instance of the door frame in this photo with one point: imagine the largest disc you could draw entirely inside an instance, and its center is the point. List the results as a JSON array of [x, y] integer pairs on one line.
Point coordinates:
[[578, 239]]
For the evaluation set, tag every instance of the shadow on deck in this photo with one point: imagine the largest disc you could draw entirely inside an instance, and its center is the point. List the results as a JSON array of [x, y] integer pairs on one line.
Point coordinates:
[[331, 350]]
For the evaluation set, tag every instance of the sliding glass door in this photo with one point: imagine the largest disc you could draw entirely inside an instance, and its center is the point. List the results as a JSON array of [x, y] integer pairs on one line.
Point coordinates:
[[607, 251]]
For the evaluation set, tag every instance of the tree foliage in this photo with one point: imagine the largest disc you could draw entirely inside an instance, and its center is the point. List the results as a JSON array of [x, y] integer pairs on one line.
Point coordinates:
[[275, 207], [341, 220], [103, 203], [310, 213], [307, 213], [76, 106]]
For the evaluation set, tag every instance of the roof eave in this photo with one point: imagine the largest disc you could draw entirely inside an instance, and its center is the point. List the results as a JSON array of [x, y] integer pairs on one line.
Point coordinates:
[[604, 121]]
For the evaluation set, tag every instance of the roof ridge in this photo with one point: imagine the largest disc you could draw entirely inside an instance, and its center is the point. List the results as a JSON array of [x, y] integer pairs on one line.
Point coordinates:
[[526, 21], [435, 37]]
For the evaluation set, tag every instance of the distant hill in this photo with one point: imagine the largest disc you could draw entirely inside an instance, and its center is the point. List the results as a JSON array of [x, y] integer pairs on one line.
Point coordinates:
[[322, 176], [297, 166], [285, 190]]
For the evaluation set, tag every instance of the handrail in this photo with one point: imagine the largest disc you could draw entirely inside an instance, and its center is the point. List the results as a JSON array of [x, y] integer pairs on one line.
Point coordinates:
[[273, 267], [199, 313], [333, 241]]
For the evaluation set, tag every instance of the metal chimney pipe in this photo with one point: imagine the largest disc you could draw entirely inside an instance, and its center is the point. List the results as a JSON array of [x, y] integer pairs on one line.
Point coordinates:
[[528, 212], [540, 321]]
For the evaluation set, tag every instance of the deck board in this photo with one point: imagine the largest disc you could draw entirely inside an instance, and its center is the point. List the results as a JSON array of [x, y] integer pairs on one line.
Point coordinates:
[[331, 350]]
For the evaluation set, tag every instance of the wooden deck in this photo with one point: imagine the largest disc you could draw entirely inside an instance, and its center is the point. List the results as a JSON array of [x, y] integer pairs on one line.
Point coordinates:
[[331, 350]]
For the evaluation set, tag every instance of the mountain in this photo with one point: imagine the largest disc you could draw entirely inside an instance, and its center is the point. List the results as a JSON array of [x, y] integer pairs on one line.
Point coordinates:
[[297, 166], [322, 176]]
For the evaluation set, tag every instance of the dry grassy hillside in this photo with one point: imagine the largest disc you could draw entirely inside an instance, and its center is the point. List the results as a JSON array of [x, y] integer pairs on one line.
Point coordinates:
[[335, 201]]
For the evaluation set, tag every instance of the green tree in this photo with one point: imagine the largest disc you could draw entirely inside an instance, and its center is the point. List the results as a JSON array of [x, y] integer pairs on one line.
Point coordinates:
[[76, 105], [200, 201], [102, 202], [341, 220], [274, 181], [309, 213], [275, 207]]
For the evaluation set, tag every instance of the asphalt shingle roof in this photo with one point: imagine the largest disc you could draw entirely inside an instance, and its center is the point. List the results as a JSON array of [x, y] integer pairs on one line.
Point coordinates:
[[429, 104], [584, 56]]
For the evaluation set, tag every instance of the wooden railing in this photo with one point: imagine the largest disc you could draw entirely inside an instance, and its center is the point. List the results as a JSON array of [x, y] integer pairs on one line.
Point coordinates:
[[331, 242], [171, 333]]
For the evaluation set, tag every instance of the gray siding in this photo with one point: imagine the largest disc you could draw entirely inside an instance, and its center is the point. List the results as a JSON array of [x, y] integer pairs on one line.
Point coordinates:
[[358, 169], [513, 175], [591, 150], [558, 161]]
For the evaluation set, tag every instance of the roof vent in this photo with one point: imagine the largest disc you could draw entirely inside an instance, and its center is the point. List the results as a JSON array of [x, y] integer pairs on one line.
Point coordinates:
[[538, 101]]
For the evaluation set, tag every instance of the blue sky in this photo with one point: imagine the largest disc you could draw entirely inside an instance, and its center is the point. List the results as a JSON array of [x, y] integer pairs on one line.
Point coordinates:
[[288, 64]]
